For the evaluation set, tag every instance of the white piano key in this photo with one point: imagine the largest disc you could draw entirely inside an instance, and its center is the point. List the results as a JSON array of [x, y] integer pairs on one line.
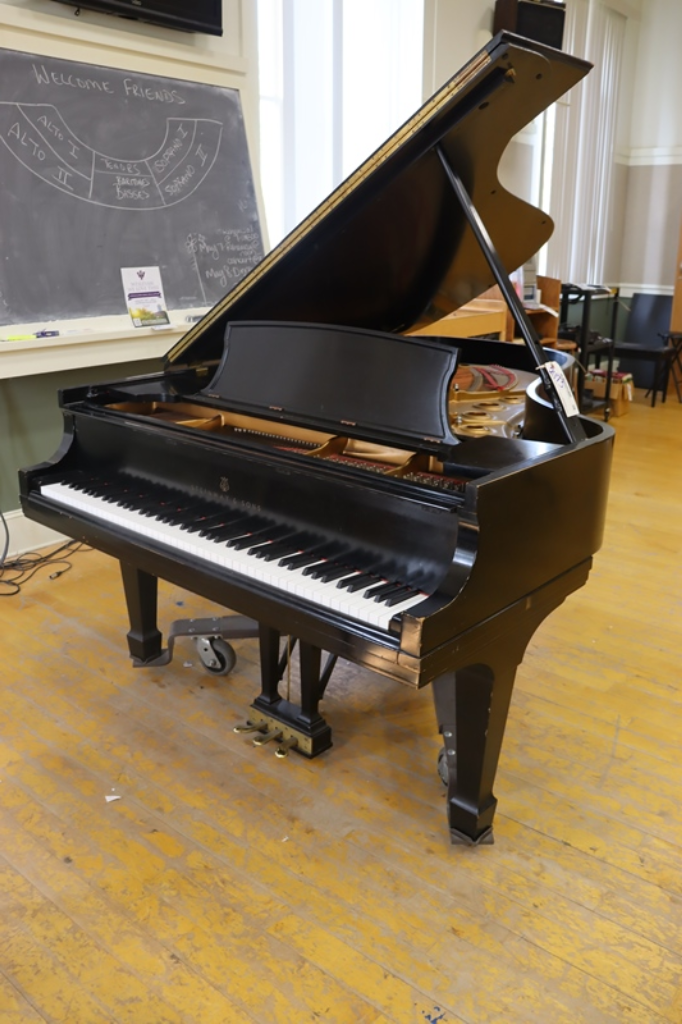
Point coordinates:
[[240, 562]]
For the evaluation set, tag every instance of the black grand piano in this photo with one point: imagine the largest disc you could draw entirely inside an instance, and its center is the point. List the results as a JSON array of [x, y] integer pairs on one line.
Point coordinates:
[[302, 458]]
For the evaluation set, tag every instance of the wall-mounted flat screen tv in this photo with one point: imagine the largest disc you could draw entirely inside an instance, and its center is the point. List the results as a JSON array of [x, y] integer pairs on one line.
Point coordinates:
[[194, 16]]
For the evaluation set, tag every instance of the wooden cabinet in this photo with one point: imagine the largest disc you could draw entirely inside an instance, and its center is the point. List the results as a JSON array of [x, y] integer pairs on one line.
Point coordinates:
[[545, 318], [488, 314], [546, 321]]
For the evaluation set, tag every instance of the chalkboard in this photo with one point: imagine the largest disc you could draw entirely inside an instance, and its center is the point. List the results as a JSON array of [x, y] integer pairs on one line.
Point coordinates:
[[102, 169]]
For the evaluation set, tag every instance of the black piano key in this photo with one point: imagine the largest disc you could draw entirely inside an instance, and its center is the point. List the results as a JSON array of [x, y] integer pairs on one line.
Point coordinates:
[[142, 503], [283, 540], [360, 582], [219, 517], [153, 502], [176, 504], [247, 540], [114, 494], [206, 516], [278, 549], [313, 554], [251, 539], [315, 564], [398, 596], [98, 488], [339, 573], [177, 514], [134, 488], [213, 530], [331, 571], [383, 590], [186, 517], [232, 528], [298, 561], [400, 590]]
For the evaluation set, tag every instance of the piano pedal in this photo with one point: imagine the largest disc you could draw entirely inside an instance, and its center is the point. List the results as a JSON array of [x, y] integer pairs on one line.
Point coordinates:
[[288, 736], [285, 746], [249, 726], [266, 737]]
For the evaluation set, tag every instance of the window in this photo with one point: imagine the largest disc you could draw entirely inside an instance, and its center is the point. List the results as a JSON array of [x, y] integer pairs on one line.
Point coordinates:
[[337, 77], [580, 138]]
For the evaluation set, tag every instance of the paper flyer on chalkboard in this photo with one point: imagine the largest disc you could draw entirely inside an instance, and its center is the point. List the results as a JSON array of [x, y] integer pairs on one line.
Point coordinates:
[[144, 296]]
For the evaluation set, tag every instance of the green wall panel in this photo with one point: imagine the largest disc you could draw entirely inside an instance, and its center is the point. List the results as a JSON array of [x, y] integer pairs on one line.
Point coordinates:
[[31, 424]]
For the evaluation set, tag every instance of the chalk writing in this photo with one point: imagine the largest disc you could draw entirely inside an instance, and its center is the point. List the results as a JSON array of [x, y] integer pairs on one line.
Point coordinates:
[[36, 134], [224, 259], [45, 77], [131, 87], [178, 184], [62, 176], [50, 127], [121, 165], [162, 163], [25, 139], [142, 92]]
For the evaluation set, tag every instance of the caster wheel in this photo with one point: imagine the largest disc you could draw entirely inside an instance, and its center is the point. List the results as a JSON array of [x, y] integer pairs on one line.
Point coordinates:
[[217, 656], [443, 766]]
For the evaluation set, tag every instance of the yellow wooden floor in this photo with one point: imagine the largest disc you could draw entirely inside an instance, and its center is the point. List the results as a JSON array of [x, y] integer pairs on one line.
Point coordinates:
[[228, 886]]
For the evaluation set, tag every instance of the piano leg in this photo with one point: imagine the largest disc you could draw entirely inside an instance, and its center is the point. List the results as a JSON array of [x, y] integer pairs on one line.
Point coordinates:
[[303, 722], [471, 708], [472, 701], [144, 639]]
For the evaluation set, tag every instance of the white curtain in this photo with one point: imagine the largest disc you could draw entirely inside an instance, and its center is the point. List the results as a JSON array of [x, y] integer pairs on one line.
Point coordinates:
[[581, 137], [337, 77]]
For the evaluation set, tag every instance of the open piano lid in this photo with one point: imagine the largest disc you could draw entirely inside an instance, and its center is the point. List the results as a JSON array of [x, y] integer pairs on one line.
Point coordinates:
[[391, 249]]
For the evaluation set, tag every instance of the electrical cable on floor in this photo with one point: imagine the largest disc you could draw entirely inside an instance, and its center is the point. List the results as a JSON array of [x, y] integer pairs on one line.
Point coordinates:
[[15, 572]]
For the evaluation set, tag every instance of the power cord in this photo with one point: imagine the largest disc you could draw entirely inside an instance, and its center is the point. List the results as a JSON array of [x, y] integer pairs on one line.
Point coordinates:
[[18, 571]]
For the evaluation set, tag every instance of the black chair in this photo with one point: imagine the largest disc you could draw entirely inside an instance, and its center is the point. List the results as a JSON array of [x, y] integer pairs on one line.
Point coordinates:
[[589, 343], [645, 339], [674, 339]]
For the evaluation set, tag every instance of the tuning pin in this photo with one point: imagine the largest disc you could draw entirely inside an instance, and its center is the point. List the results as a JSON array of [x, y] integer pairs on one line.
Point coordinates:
[[285, 746]]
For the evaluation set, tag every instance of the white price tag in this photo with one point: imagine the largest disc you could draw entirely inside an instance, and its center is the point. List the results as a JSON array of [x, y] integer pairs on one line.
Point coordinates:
[[563, 388]]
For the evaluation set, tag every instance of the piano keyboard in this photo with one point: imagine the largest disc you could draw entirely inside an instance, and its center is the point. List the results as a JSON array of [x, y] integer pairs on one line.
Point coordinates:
[[249, 545]]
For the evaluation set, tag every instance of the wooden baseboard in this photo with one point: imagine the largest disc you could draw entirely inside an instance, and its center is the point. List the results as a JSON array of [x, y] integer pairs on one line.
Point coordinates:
[[26, 535]]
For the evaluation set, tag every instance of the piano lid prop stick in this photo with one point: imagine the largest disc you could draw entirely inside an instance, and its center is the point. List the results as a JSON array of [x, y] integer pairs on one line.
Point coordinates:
[[570, 419]]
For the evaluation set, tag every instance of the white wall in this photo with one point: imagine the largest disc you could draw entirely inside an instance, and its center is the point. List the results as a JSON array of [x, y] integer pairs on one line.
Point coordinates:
[[652, 154], [656, 121], [453, 31]]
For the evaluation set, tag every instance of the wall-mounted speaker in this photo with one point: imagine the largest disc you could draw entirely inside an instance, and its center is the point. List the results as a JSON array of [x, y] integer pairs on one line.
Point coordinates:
[[541, 20]]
